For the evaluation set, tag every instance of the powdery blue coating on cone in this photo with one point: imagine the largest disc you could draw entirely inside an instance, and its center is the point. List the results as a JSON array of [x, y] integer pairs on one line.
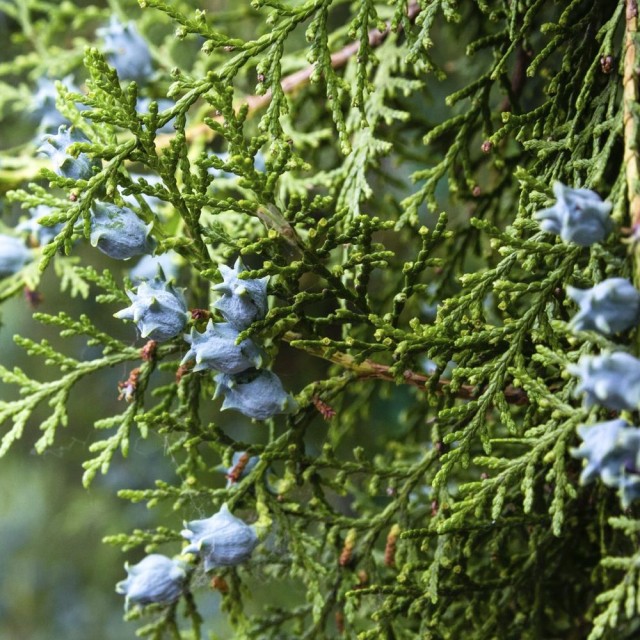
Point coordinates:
[[611, 380], [221, 540], [118, 232], [156, 579], [242, 301], [158, 309], [14, 254], [55, 146], [611, 452], [603, 450], [126, 50], [257, 395], [611, 306], [579, 216], [216, 349]]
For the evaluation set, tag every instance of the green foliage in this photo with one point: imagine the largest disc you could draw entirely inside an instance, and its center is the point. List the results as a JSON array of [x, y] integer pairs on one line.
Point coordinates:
[[398, 501]]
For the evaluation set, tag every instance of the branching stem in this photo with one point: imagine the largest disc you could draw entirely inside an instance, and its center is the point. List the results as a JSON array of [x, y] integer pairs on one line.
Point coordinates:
[[368, 369], [292, 82]]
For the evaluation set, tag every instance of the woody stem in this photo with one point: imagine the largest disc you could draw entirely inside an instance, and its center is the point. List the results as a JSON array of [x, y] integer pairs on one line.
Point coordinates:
[[630, 98], [368, 369]]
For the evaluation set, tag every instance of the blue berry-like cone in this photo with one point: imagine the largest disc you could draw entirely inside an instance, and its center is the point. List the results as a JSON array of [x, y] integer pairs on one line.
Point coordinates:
[[611, 452], [55, 146], [611, 306], [126, 50], [221, 540], [118, 232], [579, 216], [216, 349], [242, 301], [158, 309], [257, 395], [156, 579], [611, 380]]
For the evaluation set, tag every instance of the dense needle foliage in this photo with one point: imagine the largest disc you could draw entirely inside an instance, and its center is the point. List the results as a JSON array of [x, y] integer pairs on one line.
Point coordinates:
[[378, 165]]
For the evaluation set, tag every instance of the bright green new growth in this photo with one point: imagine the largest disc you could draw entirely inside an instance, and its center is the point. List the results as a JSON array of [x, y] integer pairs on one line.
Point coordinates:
[[392, 503]]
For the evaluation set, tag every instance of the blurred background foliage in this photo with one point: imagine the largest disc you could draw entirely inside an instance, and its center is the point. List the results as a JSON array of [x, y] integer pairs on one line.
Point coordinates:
[[57, 577]]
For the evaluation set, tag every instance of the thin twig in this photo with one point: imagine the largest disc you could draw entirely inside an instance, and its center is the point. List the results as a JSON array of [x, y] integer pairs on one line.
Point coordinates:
[[518, 78], [290, 83], [368, 369]]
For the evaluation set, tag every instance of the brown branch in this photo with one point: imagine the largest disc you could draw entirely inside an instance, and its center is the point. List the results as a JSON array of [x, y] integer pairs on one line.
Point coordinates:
[[292, 82], [368, 369], [630, 98], [518, 78]]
